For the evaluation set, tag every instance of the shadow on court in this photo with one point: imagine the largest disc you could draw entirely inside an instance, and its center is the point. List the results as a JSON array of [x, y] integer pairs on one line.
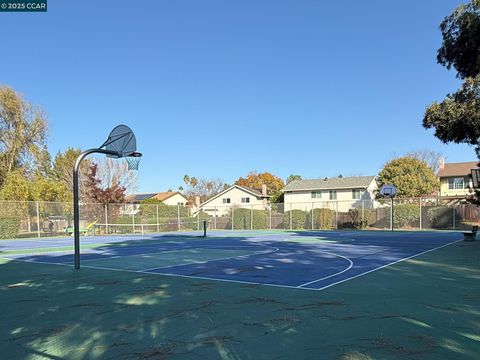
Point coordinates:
[[426, 307]]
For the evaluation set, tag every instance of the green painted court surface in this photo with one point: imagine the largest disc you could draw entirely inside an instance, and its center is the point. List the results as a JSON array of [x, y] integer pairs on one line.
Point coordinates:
[[427, 307]]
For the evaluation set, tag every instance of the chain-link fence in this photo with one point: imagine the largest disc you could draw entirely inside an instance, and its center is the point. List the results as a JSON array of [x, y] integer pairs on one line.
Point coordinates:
[[47, 219]]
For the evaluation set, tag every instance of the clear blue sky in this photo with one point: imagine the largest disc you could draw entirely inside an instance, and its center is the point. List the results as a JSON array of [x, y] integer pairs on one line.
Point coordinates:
[[220, 88]]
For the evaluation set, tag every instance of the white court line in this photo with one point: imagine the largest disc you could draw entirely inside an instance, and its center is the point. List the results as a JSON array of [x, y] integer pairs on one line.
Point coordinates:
[[195, 277], [325, 241], [166, 252], [386, 265], [35, 261], [329, 276], [274, 249]]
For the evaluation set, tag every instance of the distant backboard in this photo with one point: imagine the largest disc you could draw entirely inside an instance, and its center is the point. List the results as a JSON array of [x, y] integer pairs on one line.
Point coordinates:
[[388, 190], [121, 140]]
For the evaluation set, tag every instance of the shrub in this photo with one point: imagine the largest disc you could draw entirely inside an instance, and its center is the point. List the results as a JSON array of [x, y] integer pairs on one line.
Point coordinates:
[[404, 215], [298, 218], [361, 218], [9, 227], [242, 219], [322, 218], [442, 217]]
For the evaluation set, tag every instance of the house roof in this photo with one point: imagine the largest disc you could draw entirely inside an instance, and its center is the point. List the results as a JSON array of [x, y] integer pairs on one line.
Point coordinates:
[[253, 191], [330, 183], [460, 168], [161, 196], [140, 197]]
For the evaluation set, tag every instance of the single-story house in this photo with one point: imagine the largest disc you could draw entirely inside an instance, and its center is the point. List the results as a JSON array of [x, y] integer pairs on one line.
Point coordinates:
[[167, 197], [339, 194], [236, 196], [456, 179], [173, 198]]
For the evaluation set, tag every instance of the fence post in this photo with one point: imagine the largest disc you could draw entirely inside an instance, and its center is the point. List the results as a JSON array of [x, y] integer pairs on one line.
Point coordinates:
[[336, 214], [454, 217], [270, 215], [178, 217], [38, 221], [420, 200], [251, 217], [158, 221], [133, 223], [106, 218], [363, 213], [233, 215], [290, 216], [311, 215], [215, 218]]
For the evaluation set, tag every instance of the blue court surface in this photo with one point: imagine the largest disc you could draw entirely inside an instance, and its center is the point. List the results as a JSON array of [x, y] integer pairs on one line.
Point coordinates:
[[312, 260]]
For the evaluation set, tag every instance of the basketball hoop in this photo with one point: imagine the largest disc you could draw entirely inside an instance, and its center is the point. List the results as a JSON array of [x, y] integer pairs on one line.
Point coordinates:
[[121, 143], [133, 160]]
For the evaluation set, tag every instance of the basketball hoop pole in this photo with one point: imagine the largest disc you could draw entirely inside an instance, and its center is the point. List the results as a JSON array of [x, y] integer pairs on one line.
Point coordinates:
[[391, 214], [76, 210]]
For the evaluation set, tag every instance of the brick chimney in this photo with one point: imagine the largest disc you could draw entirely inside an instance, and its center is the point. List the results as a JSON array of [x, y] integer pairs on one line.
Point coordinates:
[[441, 163], [264, 190], [197, 201]]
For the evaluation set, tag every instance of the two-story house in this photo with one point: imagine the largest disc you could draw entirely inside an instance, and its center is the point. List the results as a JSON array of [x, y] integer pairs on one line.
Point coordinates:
[[456, 179], [339, 194]]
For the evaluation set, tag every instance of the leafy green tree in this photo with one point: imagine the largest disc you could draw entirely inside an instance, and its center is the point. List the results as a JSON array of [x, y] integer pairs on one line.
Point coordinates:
[[23, 131], [16, 187], [49, 190], [411, 177], [457, 118], [461, 40], [293, 177]]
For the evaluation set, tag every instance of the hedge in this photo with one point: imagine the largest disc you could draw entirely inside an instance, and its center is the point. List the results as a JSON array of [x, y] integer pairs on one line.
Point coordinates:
[[9, 227], [298, 219], [323, 218], [404, 215], [361, 218], [242, 219], [442, 217]]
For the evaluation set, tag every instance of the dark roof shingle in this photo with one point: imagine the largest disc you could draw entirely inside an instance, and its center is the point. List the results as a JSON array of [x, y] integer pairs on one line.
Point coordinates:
[[330, 183]]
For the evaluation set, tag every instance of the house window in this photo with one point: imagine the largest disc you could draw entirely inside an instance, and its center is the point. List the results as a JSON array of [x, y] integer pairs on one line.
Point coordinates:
[[245, 200], [226, 200], [333, 194], [316, 194], [180, 203], [456, 183], [357, 194]]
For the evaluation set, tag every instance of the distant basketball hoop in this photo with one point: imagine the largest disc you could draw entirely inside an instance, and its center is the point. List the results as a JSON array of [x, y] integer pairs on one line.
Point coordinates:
[[121, 143], [388, 190]]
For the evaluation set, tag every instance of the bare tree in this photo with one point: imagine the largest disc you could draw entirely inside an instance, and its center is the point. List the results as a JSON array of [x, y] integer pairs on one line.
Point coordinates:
[[204, 188], [432, 158], [115, 173]]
